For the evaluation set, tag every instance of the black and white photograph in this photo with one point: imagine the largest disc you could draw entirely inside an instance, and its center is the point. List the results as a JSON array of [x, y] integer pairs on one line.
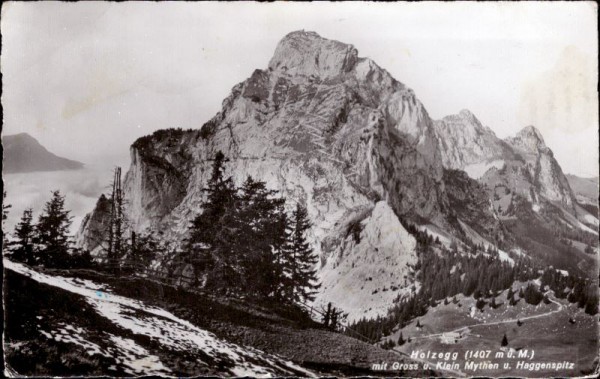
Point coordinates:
[[300, 189]]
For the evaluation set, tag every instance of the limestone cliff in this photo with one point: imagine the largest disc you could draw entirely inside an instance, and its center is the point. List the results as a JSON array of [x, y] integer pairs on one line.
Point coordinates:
[[523, 164], [324, 127]]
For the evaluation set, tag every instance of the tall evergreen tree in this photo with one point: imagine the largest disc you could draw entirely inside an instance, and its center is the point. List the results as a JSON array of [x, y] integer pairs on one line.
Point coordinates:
[[213, 232], [327, 315], [52, 232], [23, 246], [401, 340], [261, 224], [142, 250], [300, 259]]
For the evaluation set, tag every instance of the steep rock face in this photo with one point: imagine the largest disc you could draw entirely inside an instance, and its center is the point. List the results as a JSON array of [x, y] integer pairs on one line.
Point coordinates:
[[307, 53], [523, 164], [375, 247], [158, 177], [468, 199], [324, 127], [464, 143], [320, 125], [544, 170], [92, 233]]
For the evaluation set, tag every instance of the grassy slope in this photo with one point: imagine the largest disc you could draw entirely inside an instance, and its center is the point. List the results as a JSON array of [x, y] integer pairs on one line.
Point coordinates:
[[552, 338]]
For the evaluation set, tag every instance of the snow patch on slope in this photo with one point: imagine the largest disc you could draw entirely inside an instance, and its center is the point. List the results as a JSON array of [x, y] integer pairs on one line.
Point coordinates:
[[172, 332], [503, 255], [138, 360]]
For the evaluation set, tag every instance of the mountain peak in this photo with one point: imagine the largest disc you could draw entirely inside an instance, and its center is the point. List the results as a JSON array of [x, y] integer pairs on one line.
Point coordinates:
[[20, 137], [462, 117], [530, 137], [307, 53], [463, 141], [464, 120], [466, 113], [24, 153]]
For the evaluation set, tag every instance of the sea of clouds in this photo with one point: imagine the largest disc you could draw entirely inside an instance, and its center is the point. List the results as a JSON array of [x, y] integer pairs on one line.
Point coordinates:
[[32, 190]]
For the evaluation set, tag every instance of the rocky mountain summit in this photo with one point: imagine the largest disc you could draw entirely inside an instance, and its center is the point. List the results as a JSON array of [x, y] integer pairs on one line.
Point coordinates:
[[523, 163], [337, 133], [465, 143], [544, 170]]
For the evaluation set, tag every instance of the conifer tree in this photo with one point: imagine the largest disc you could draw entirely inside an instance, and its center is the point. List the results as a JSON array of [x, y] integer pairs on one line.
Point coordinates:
[[504, 341], [546, 300], [510, 293], [142, 251], [480, 304], [213, 231], [261, 224], [401, 340], [334, 317], [300, 259], [23, 246], [591, 304], [327, 315], [52, 232]]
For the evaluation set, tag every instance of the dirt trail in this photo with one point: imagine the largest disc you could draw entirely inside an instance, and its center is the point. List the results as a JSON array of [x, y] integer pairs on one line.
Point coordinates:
[[560, 308]]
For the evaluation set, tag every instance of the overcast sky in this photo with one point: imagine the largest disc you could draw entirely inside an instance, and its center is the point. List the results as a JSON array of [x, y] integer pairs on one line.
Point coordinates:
[[87, 79]]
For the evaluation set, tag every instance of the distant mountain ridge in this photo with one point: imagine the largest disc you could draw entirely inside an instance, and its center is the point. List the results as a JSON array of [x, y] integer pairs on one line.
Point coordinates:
[[23, 153], [525, 185], [522, 163], [586, 191]]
